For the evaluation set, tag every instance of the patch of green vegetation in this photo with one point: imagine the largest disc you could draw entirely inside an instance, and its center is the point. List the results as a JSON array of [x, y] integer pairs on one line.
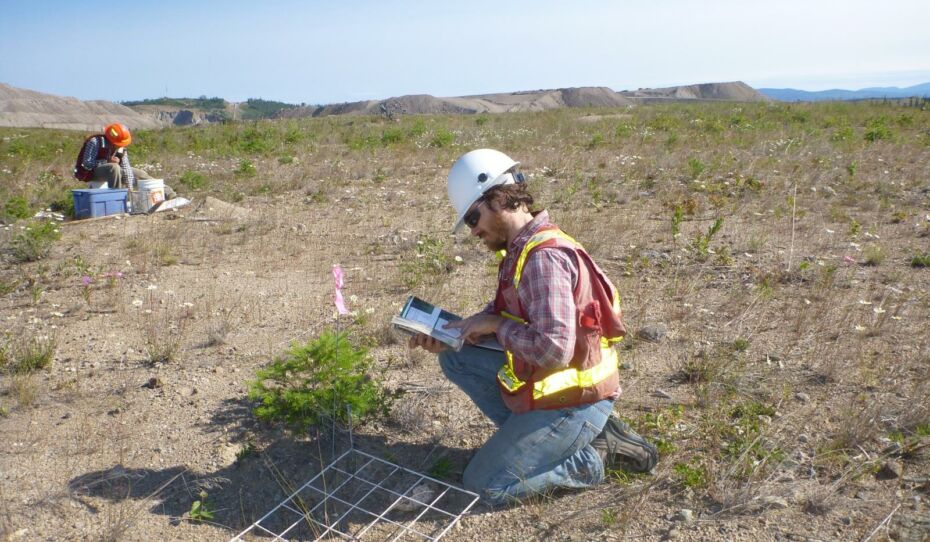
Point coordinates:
[[193, 180], [691, 474], [318, 381], [27, 353], [877, 129], [701, 242], [441, 469], [201, 509], [256, 108], [596, 140], [921, 260], [431, 262], [392, 136], [17, 207], [245, 168], [201, 103], [874, 255], [740, 345], [442, 138], [695, 167], [35, 242]]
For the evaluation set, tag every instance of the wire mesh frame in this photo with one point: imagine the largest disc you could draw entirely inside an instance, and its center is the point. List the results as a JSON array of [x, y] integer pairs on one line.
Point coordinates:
[[358, 495]]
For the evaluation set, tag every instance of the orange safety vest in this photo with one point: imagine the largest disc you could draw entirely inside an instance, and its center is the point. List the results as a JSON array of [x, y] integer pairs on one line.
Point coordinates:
[[592, 374]]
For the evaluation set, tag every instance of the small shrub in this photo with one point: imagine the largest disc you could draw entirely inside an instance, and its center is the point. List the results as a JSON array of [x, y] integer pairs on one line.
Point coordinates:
[[246, 168], [677, 218], [317, 381], [690, 475], [702, 242], [596, 141], [441, 469], [874, 255], [430, 262], [29, 353], [695, 167], [442, 138], [876, 129], [392, 136], [164, 332], [921, 260], [740, 345], [623, 131], [17, 207], [35, 242], [193, 180]]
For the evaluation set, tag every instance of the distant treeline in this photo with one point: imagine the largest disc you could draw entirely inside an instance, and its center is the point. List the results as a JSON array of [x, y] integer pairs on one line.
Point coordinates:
[[252, 109], [200, 103]]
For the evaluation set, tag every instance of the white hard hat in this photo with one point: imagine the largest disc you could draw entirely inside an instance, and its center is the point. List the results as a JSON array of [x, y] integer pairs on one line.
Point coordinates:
[[474, 173]]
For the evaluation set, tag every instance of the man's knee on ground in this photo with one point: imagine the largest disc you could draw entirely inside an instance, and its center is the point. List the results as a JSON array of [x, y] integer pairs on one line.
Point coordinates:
[[492, 489]]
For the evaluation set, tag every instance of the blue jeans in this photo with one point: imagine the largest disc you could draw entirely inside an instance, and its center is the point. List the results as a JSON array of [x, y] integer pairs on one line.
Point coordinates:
[[533, 452]]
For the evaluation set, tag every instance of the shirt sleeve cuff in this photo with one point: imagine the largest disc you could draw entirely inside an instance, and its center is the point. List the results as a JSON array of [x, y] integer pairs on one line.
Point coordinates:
[[505, 331]]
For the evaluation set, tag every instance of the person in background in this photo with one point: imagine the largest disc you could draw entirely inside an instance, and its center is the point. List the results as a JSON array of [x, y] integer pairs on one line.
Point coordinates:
[[104, 157], [551, 392]]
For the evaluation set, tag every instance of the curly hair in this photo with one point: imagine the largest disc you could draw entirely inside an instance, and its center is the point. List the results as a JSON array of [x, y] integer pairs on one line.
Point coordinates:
[[509, 196]]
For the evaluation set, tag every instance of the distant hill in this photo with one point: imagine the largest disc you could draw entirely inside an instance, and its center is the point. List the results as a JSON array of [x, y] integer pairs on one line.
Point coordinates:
[[735, 91], [533, 100], [794, 95], [27, 108]]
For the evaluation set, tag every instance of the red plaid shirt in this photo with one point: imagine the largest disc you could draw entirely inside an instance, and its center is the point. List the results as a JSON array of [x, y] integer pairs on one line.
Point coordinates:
[[546, 294]]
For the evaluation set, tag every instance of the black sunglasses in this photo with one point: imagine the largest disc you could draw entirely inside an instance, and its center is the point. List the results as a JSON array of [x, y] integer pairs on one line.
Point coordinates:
[[472, 217]]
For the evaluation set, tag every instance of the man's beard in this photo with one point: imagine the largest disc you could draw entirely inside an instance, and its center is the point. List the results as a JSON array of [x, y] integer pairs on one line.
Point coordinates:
[[494, 238]]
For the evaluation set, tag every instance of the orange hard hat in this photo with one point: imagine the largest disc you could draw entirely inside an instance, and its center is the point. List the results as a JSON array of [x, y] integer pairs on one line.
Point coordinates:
[[117, 134]]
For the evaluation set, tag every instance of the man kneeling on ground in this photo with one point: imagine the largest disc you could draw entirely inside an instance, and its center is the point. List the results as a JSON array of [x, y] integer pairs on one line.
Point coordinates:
[[104, 157], [551, 393]]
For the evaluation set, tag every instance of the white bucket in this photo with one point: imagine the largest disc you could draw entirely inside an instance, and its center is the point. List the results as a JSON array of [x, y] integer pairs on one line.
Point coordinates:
[[151, 192], [95, 185]]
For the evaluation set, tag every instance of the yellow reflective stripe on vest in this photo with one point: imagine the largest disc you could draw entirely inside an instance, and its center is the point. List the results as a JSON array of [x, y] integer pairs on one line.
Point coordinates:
[[540, 237], [573, 378]]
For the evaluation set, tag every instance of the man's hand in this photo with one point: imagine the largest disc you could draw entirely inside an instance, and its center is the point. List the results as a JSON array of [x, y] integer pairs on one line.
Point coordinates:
[[476, 326], [114, 159], [426, 343]]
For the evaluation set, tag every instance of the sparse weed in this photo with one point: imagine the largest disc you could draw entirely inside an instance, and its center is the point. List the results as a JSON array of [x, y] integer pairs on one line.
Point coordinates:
[[245, 168], [677, 217], [701, 242], [201, 509], [695, 168], [431, 261], [17, 207], [441, 469], [874, 255], [692, 475], [35, 241], [442, 139], [28, 352], [193, 180], [921, 259], [163, 330]]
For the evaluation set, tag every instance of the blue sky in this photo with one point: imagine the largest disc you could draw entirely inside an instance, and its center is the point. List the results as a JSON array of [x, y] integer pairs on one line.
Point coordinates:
[[326, 52]]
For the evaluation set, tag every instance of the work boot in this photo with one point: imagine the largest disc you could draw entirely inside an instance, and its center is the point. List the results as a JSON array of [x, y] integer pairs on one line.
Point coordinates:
[[622, 448]]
